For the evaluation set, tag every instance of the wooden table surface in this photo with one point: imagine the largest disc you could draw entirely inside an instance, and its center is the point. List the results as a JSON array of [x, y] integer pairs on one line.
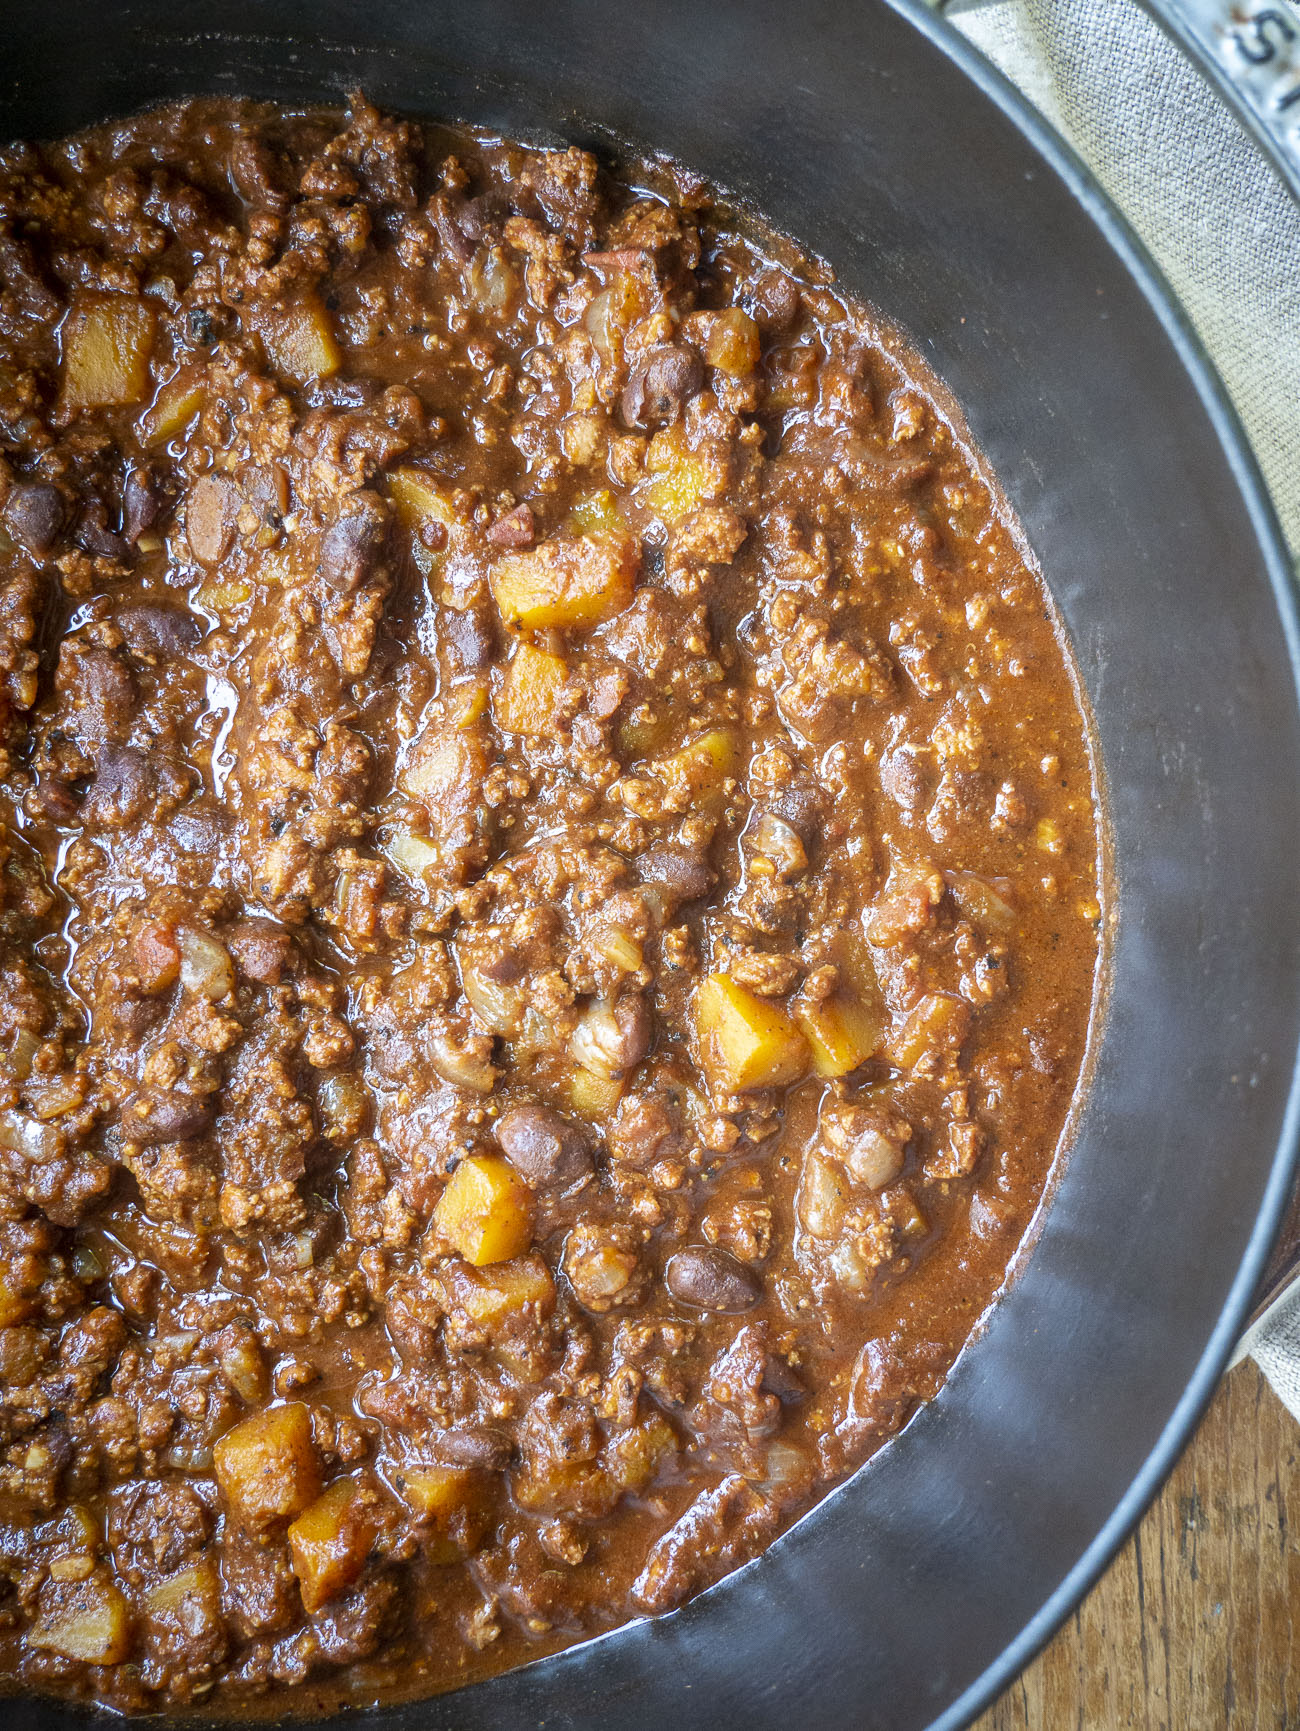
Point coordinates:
[[1196, 1625]]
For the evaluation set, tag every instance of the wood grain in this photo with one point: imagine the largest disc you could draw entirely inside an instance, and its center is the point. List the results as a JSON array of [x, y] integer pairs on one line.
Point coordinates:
[[1196, 1625]]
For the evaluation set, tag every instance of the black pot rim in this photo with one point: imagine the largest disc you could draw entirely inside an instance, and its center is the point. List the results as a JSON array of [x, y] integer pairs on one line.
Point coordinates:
[[1184, 338]]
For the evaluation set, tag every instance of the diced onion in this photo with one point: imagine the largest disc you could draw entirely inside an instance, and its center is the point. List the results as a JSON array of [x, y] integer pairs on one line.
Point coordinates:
[[206, 967], [621, 949], [463, 1067], [497, 1005], [413, 855], [197, 1459], [597, 319], [245, 1371], [490, 281], [821, 1197], [87, 1263], [22, 1135], [597, 1041], [983, 900], [56, 1097], [787, 1463], [775, 840], [344, 1105], [21, 1053]]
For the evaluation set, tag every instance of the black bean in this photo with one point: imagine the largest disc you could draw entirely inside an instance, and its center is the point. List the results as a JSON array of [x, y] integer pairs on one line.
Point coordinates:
[[774, 302], [93, 535], [153, 630], [256, 174], [543, 1147], [780, 1380], [25, 280], [907, 778], [710, 1279], [464, 224], [472, 1446], [97, 690], [180, 207], [33, 514], [50, 801], [123, 788], [802, 806], [470, 639], [134, 1016], [261, 949], [515, 529], [635, 1028], [881, 474], [141, 503], [351, 546], [505, 966], [210, 517], [172, 1117], [683, 874], [660, 384]]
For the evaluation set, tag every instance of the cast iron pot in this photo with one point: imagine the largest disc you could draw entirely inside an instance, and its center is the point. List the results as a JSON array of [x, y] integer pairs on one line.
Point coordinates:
[[865, 129]]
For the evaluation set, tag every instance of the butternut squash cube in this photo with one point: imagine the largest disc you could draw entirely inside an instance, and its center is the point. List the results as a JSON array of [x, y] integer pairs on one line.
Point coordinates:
[[574, 583], [933, 1029], [593, 1096], [490, 1297], [485, 1213], [634, 1455], [733, 345], [698, 771], [189, 1601], [15, 1305], [426, 513], [842, 1032], [299, 341], [586, 1490], [527, 698], [174, 406], [453, 1501], [106, 344], [330, 1541], [472, 700], [746, 1041], [435, 1492], [444, 770], [598, 514], [682, 479], [267, 1468], [88, 1621], [639, 733], [220, 596], [846, 1028]]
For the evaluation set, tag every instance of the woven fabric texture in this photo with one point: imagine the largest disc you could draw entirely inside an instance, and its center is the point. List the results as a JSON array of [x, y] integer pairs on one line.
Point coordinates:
[[1226, 234], [1174, 158]]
